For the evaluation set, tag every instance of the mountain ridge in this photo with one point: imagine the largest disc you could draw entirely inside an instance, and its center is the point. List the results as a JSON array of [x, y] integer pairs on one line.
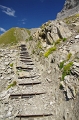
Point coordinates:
[[70, 7]]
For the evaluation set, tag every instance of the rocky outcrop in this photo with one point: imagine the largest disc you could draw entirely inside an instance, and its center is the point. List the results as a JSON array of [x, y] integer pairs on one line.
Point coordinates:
[[52, 31], [70, 7]]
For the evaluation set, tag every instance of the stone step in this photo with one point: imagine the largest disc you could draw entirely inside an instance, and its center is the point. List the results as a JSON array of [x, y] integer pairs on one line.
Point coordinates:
[[24, 95], [30, 106], [29, 83], [27, 80], [20, 64], [28, 89], [36, 118], [24, 68]]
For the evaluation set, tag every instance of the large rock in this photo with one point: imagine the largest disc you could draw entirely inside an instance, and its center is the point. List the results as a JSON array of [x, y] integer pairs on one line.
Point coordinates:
[[53, 31]]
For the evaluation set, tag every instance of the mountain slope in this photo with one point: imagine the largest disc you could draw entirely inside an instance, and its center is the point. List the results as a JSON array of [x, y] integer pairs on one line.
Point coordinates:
[[14, 35], [70, 7]]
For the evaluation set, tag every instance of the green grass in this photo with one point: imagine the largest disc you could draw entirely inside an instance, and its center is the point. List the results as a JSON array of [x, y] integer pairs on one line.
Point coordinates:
[[66, 70], [77, 15], [69, 56], [61, 65], [8, 37], [64, 39], [11, 65], [58, 41], [49, 51], [12, 84], [30, 38]]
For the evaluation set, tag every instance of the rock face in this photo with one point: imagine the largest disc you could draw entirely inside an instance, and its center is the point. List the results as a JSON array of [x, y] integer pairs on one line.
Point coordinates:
[[52, 31], [70, 7]]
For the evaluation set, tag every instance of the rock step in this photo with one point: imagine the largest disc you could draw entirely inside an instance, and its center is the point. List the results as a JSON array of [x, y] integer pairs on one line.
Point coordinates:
[[20, 64], [26, 61], [27, 80], [28, 89], [26, 74], [23, 77], [24, 68], [33, 105], [35, 118], [25, 57], [22, 95], [31, 83]]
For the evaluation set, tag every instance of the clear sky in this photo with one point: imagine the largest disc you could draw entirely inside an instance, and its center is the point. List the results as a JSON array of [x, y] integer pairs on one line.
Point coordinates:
[[27, 13]]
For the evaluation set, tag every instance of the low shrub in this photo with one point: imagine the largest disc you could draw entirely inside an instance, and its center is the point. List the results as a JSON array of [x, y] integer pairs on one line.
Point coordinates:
[[49, 51]]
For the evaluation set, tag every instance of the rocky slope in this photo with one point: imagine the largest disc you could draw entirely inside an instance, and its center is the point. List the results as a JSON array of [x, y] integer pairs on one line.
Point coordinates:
[[70, 7], [54, 50]]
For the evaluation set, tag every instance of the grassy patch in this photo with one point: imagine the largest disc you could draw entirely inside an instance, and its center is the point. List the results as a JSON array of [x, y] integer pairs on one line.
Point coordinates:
[[64, 39], [49, 51], [12, 84], [66, 70], [69, 56], [11, 65], [8, 37], [30, 38], [61, 65], [58, 41], [77, 15]]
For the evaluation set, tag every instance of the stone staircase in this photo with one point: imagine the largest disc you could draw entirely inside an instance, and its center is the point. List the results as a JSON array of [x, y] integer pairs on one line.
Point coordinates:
[[29, 99]]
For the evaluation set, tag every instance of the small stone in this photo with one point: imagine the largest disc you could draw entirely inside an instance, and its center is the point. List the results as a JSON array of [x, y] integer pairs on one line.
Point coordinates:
[[76, 37], [69, 94], [1, 116], [44, 44], [6, 63], [8, 114], [76, 64], [51, 103], [49, 71], [2, 77], [48, 80]]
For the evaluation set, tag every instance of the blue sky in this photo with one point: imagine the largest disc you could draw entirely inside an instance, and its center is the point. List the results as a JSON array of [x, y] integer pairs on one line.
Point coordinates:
[[27, 13]]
